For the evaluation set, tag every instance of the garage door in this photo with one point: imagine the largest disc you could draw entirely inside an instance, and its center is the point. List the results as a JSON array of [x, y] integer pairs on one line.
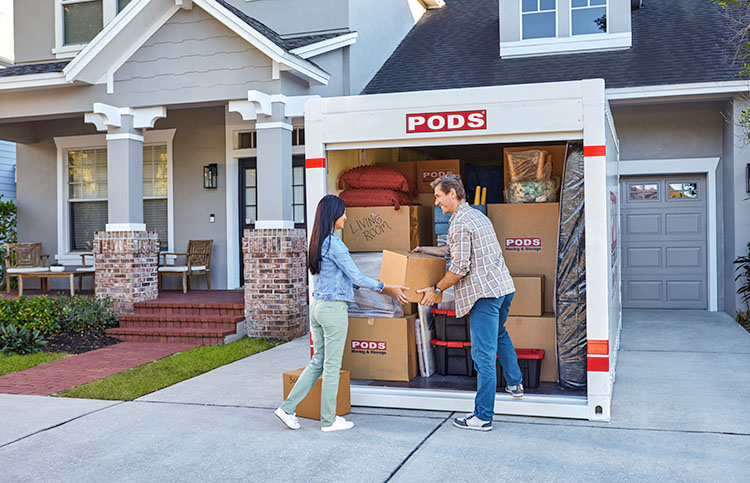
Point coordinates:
[[664, 242]]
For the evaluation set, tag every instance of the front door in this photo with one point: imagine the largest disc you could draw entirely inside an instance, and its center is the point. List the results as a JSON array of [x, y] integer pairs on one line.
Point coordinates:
[[248, 203]]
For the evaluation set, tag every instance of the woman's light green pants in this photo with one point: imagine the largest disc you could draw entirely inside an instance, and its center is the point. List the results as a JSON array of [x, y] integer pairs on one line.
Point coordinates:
[[329, 322]]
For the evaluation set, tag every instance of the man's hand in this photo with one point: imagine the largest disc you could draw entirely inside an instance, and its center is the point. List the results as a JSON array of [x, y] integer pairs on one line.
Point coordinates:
[[397, 292], [429, 297]]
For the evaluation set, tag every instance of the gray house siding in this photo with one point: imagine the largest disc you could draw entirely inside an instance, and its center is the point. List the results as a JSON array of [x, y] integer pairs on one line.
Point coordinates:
[[8, 170], [194, 51], [33, 44]]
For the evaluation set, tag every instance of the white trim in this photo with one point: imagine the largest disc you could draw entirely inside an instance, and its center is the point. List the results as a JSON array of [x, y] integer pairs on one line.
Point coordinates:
[[160, 136], [32, 81], [67, 51], [568, 45], [705, 166], [273, 224], [134, 137], [273, 125], [675, 90], [432, 4], [125, 227], [318, 48], [572, 407]]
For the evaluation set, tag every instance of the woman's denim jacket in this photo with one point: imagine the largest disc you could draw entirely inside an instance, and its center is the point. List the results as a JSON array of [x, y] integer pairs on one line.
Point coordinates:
[[338, 274]]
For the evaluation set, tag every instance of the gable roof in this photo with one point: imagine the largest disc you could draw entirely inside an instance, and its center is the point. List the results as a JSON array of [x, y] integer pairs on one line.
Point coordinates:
[[674, 42]]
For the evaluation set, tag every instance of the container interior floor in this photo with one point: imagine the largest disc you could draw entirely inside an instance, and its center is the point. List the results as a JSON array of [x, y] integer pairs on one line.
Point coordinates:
[[465, 383]]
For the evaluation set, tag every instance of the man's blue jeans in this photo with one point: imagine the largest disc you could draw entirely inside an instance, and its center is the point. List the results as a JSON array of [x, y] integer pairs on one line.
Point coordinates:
[[488, 339]]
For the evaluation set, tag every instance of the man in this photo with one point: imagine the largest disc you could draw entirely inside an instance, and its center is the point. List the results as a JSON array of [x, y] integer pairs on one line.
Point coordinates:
[[484, 287]]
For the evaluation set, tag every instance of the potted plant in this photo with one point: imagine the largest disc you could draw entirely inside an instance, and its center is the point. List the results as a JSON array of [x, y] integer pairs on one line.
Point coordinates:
[[56, 267]]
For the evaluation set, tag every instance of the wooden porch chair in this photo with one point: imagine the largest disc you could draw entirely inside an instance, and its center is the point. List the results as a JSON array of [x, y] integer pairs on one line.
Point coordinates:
[[25, 258], [85, 269], [197, 262]]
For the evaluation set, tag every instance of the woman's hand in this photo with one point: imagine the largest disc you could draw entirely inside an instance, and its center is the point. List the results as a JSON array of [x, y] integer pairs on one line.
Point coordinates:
[[397, 292]]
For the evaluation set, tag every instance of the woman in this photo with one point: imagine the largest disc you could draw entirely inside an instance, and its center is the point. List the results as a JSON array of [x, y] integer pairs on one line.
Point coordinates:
[[335, 276]]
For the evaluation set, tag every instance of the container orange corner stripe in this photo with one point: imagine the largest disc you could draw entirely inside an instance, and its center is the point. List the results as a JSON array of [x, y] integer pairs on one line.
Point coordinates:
[[598, 347], [315, 163], [594, 150], [598, 364]]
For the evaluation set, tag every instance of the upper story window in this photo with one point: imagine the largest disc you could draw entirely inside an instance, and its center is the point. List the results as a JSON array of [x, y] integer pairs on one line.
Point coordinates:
[[538, 19], [588, 16], [78, 21]]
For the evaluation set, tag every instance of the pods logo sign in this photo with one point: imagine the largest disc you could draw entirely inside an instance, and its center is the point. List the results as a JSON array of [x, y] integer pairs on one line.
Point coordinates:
[[446, 121], [368, 345], [523, 244]]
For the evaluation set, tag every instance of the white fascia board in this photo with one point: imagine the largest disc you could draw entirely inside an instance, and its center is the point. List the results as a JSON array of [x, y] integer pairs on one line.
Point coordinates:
[[324, 46], [97, 57], [265, 45], [678, 90], [432, 4], [32, 81], [565, 45]]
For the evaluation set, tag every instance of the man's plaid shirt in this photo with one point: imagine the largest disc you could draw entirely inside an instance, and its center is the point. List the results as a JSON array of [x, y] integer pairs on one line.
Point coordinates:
[[476, 256]]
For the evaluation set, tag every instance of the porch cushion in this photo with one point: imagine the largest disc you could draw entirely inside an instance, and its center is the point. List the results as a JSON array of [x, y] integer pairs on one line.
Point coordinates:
[[86, 269], [181, 268], [28, 270]]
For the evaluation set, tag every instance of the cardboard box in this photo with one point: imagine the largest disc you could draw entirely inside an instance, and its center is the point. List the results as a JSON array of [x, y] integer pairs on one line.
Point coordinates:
[[381, 349], [536, 333], [310, 406], [557, 151], [427, 171], [529, 298], [407, 168], [527, 233], [376, 228], [410, 309], [413, 270]]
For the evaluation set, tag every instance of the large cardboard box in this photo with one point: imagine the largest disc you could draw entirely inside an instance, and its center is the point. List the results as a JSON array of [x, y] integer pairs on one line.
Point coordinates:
[[407, 168], [376, 228], [557, 151], [413, 270], [381, 349], [536, 333], [310, 406], [527, 233], [529, 298], [427, 171]]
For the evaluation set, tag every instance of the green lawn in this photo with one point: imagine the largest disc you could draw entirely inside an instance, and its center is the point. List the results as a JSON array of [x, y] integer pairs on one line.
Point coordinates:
[[148, 378], [13, 362]]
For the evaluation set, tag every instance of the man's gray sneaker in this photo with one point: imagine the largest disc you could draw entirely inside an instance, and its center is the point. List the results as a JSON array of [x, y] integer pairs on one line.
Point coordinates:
[[472, 422], [515, 391]]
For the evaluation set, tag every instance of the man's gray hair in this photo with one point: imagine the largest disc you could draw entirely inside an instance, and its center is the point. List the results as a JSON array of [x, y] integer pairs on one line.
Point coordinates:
[[448, 182]]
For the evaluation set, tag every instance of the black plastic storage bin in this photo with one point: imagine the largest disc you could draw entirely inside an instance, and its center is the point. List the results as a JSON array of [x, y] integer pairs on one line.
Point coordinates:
[[530, 362], [448, 327], [453, 358]]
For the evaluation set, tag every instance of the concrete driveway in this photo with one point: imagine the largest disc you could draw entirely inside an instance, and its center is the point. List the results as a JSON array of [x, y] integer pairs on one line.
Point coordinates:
[[679, 413]]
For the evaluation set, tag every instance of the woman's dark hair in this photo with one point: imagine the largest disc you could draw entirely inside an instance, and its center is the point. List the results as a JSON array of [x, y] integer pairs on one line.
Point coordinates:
[[329, 210]]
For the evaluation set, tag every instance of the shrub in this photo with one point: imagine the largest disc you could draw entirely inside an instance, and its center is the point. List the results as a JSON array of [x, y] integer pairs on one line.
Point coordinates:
[[743, 276], [51, 315], [20, 340], [8, 233]]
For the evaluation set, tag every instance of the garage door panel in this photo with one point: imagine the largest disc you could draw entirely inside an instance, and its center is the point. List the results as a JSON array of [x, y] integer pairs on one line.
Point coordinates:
[[664, 242], [684, 224], [685, 257]]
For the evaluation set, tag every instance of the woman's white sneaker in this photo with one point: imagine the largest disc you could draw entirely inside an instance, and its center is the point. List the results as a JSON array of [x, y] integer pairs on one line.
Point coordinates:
[[339, 424], [289, 419]]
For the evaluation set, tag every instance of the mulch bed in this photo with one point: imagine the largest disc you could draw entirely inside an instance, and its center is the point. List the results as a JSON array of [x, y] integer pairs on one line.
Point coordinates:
[[78, 343]]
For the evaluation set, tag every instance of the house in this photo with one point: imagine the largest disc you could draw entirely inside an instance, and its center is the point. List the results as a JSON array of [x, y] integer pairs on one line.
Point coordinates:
[[120, 107], [676, 101], [7, 171]]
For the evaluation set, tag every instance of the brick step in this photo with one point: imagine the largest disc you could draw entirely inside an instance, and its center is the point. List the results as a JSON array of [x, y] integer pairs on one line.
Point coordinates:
[[178, 324], [164, 316], [189, 309], [170, 335]]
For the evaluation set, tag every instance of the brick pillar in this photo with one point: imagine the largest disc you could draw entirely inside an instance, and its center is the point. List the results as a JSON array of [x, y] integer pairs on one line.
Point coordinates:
[[275, 282], [126, 267]]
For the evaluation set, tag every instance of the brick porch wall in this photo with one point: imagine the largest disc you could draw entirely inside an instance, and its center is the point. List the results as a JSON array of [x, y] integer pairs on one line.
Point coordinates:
[[126, 267], [275, 282]]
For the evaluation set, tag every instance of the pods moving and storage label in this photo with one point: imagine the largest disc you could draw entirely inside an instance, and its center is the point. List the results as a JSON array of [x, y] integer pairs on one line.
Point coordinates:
[[379, 347], [525, 244]]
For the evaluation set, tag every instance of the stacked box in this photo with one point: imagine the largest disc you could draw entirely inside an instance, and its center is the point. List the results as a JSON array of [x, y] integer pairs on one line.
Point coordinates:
[[449, 327], [453, 358]]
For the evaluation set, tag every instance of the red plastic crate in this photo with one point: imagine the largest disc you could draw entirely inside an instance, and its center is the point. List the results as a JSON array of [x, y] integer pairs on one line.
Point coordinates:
[[449, 327], [453, 358], [530, 362]]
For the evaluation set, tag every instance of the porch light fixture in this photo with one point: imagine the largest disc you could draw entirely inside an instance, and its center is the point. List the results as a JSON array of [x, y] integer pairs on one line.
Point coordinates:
[[210, 176]]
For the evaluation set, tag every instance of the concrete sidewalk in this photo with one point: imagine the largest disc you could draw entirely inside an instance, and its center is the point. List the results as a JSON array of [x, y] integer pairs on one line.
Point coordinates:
[[680, 413]]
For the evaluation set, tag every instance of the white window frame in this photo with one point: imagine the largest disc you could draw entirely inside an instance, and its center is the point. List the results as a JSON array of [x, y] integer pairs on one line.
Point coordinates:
[[522, 13], [588, 6], [62, 51], [65, 255]]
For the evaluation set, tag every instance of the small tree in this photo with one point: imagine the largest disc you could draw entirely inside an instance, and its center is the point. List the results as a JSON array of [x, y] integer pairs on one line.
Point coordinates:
[[8, 230]]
